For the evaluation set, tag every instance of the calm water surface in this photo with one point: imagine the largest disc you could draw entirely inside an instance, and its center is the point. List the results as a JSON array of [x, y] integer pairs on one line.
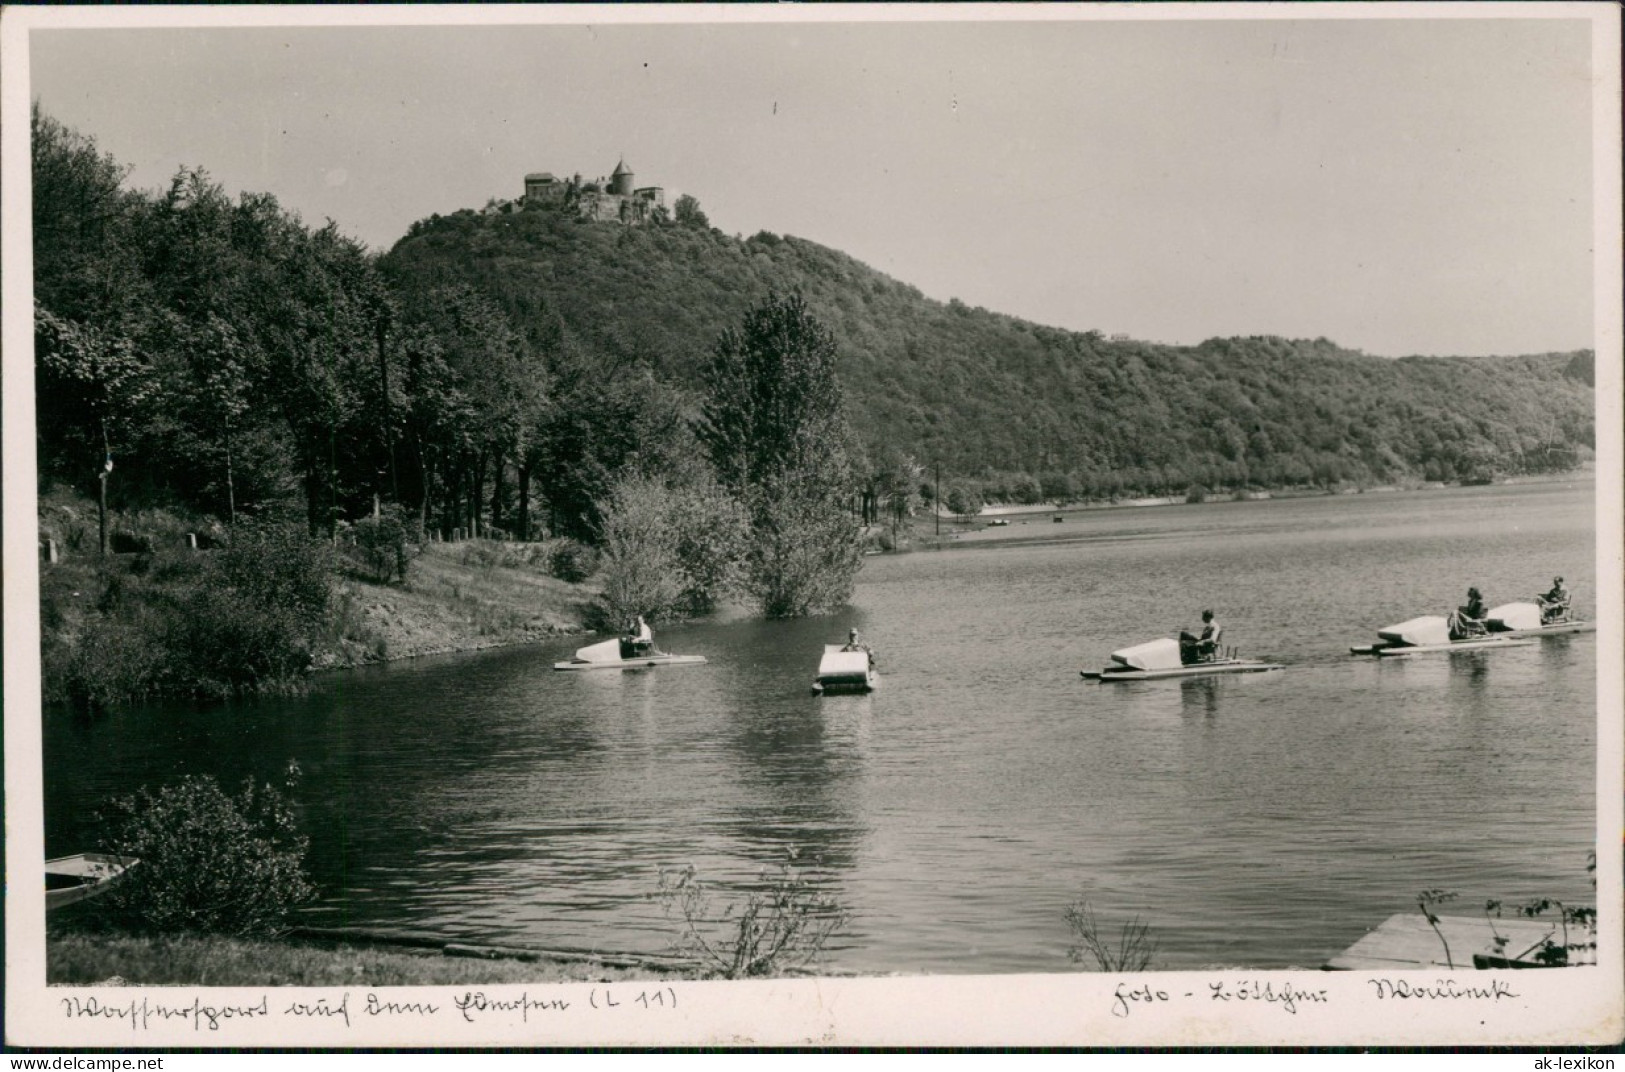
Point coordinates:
[[1255, 821]]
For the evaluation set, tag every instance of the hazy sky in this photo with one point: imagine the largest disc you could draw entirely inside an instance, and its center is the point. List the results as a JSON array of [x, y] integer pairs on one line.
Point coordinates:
[[1399, 186]]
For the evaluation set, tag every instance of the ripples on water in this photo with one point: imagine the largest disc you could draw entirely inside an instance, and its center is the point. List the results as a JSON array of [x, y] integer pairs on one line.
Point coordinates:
[[1255, 821]]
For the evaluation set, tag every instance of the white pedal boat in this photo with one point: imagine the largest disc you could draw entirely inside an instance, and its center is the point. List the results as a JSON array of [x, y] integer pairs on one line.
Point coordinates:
[[1523, 620], [1428, 634], [841, 670], [1160, 659], [606, 655]]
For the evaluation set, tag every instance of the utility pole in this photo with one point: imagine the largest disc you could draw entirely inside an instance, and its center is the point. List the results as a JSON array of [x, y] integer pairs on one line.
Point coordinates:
[[936, 500]]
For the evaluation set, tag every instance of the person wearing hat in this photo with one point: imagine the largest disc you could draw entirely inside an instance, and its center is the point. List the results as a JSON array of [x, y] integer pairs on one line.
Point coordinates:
[[854, 644], [1200, 647], [1468, 621], [1554, 605]]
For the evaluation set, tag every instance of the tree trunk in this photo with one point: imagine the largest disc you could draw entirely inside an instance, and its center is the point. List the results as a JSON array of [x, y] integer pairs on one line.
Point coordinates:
[[107, 471], [496, 491], [524, 500], [476, 492], [424, 486], [329, 526], [453, 510], [313, 496], [231, 488], [389, 434], [102, 511]]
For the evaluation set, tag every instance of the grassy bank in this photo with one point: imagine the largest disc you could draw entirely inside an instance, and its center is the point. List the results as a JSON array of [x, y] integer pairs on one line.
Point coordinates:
[[182, 607], [462, 597], [86, 959]]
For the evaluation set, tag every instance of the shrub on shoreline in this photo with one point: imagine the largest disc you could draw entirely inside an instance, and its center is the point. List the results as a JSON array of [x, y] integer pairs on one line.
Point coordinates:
[[242, 619], [781, 926], [210, 863], [380, 549]]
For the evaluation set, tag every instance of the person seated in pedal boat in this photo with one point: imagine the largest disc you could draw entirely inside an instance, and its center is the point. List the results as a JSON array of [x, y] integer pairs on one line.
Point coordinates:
[[639, 639], [1468, 620], [853, 644], [1200, 647], [1554, 605]]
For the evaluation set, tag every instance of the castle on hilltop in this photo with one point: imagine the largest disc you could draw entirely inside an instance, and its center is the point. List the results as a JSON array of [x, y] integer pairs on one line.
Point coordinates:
[[616, 199]]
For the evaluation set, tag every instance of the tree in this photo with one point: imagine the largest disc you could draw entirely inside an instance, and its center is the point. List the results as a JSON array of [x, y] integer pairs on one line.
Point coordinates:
[[804, 555], [642, 573], [964, 501], [100, 377], [81, 220], [597, 429], [220, 386], [687, 213], [712, 535], [772, 425], [1057, 488]]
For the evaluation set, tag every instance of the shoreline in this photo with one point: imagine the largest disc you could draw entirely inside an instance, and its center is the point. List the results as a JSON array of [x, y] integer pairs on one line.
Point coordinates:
[[470, 596], [985, 530], [998, 510], [89, 958], [482, 595], [416, 620]]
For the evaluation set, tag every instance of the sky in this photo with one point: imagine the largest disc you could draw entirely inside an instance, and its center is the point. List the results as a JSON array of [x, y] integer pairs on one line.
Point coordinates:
[[1400, 186]]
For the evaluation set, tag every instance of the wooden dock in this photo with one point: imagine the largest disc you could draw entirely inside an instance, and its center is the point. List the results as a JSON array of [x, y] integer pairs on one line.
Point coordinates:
[[1406, 941]]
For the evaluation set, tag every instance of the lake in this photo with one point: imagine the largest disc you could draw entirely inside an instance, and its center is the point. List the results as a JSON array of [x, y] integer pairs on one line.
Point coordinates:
[[1257, 821]]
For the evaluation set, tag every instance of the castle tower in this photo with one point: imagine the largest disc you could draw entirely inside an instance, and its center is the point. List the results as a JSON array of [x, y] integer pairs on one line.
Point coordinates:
[[620, 180]]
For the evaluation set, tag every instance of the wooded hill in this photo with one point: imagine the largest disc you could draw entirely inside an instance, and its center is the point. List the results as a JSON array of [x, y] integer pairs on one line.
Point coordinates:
[[1024, 410], [493, 371]]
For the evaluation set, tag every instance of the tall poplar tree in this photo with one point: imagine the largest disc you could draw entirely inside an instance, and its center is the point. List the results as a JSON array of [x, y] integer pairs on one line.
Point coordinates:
[[773, 426]]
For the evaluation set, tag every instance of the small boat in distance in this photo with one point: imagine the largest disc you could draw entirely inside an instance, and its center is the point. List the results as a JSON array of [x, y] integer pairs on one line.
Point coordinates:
[[70, 879], [1428, 634], [634, 651], [1161, 659], [846, 668]]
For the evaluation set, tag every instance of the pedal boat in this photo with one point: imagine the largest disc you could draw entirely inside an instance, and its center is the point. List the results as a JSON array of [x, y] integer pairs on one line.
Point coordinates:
[[606, 655], [1430, 634], [1160, 659], [1523, 620], [841, 670], [71, 879]]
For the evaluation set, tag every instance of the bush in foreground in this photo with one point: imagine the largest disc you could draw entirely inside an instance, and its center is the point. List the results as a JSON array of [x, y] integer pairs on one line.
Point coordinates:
[[781, 926], [210, 863], [1132, 951]]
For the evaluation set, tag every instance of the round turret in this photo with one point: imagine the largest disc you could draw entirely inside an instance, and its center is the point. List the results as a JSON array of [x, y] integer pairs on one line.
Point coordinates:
[[620, 180]]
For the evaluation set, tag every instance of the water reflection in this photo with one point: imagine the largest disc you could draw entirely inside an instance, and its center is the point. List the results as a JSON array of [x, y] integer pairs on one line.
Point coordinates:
[[1200, 696], [1558, 652], [1476, 665]]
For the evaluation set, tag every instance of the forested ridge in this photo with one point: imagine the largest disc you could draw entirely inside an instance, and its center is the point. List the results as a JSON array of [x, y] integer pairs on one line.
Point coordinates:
[[1009, 404], [502, 372]]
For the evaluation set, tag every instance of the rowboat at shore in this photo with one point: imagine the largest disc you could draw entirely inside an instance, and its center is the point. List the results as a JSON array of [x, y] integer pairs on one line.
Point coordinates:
[[1430, 634], [70, 879], [1162, 659]]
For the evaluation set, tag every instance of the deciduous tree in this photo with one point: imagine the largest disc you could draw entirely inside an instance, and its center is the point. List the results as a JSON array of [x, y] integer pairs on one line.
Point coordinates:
[[772, 425]]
